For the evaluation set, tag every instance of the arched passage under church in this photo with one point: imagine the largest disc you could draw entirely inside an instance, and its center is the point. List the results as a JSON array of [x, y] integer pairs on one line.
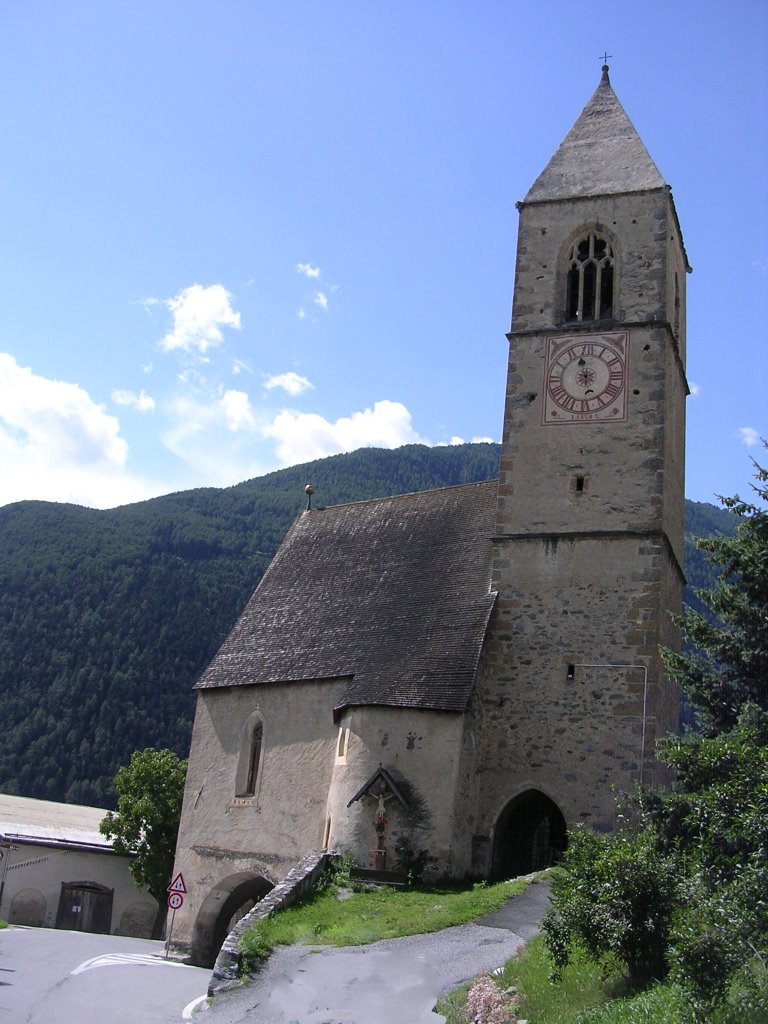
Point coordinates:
[[228, 901], [530, 835]]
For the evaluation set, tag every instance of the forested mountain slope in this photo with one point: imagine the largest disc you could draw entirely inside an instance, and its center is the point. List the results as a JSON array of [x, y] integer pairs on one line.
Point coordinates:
[[107, 617]]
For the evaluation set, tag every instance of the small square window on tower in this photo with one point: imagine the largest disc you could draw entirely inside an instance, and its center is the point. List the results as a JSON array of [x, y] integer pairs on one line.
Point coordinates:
[[578, 483]]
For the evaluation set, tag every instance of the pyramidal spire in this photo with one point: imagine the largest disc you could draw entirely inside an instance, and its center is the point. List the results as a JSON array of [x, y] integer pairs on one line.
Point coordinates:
[[601, 154]]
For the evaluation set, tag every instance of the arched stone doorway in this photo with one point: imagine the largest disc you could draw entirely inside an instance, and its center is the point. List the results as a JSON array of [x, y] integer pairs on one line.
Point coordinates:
[[530, 835], [220, 910]]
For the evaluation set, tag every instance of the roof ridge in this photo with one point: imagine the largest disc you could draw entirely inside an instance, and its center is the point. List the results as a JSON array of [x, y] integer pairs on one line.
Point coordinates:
[[403, 495]]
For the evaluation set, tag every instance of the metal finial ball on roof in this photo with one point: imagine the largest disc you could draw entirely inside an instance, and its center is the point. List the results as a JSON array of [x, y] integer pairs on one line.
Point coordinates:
[[309, 490]]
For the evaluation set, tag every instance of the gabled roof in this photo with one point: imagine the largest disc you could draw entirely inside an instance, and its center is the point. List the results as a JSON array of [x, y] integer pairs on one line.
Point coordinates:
[[601, 154], [25, 820], [393, 594]]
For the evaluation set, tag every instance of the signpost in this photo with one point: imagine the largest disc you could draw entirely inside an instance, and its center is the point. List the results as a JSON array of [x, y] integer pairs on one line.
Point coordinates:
[[176, 893]]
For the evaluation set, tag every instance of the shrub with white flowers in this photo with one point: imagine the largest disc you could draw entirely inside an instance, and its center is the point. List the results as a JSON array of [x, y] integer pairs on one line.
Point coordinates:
[[486, 1004]]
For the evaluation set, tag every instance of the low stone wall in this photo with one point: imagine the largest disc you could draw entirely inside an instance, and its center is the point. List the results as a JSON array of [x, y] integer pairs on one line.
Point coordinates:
[[299, 881]]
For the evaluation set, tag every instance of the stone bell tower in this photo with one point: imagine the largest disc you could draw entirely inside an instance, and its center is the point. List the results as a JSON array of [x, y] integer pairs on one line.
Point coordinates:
[[589, 532]]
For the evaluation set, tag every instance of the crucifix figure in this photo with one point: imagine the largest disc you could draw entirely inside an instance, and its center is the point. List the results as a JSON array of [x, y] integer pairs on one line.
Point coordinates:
[[381, 798]]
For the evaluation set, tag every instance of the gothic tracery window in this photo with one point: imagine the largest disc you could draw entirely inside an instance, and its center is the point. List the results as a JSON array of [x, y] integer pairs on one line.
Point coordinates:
[[589, 287]]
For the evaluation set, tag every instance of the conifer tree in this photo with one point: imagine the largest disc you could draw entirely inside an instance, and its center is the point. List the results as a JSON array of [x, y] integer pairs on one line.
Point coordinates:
[[725, 663]]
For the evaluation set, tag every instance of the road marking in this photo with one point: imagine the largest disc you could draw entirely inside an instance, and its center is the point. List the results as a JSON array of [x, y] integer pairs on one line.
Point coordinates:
[[189, 1009], [125, 960]]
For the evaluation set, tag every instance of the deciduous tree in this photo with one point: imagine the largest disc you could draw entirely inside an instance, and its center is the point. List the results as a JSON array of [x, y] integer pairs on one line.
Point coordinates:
[[150, 791]]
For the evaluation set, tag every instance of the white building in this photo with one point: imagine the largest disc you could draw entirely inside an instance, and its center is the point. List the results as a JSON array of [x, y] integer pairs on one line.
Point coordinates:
[[58, 871]]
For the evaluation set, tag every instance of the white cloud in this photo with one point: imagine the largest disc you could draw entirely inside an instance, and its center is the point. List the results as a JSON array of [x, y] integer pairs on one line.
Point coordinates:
[[215, 438], [300, 437], [198, 314], [57, 444], [695, 389], [236, 408], [460, 440], [307, 270], [143, 402], [51, 420], [302, 313], [229, 409], [749, 436], [290, 382], [321, 300], [192, 378]]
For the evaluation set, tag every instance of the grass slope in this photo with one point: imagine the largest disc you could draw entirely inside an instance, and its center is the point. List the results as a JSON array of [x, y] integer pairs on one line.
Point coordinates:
[[589, 993], [338, 916]]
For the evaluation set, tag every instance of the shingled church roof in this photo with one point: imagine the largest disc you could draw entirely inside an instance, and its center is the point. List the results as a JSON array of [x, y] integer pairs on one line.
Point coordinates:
[[393, 594], [602, 154]]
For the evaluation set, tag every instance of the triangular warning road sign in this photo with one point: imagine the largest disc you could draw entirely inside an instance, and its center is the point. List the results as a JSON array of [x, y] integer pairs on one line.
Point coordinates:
[[177, 885]]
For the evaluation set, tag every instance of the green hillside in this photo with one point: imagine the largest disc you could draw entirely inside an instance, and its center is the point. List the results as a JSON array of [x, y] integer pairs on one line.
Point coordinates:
[[107, 617]]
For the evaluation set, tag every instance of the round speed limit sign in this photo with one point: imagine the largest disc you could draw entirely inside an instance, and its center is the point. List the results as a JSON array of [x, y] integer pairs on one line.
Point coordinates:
[[175, 900]]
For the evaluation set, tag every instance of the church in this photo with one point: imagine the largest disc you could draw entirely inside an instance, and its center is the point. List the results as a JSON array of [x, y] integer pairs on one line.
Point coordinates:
[[472, 671]]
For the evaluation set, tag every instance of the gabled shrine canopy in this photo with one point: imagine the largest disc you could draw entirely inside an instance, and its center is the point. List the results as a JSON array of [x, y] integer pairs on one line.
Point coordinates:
[[381, 775]]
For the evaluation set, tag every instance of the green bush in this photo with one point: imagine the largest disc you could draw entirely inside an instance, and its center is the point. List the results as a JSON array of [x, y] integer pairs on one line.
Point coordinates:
[[615, 898], [686, 891], [412, 862]]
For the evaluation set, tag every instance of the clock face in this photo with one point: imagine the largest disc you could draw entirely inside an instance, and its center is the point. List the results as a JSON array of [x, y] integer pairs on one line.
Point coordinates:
[[586, 378]]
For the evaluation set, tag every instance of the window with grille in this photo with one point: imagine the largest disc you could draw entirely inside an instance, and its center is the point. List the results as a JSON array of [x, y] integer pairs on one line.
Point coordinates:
[[590, 280]]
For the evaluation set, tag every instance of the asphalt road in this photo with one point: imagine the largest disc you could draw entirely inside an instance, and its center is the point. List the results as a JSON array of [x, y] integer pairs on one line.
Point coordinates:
[[393, 982], [49, 976]]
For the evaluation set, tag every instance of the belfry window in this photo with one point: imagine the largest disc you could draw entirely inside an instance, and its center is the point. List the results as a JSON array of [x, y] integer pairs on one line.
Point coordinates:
[[589, 287], [249, 763]]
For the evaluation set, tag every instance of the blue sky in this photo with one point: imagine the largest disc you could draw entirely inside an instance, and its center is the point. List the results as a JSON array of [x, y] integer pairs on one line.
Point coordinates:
[[243, 235]]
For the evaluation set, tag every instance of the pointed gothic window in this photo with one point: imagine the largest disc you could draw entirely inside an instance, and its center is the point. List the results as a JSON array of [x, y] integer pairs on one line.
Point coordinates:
[[589, 286], [250, 757]]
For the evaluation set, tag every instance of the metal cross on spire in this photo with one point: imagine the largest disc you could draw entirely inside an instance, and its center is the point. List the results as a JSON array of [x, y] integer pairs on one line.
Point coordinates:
[[606, 57]]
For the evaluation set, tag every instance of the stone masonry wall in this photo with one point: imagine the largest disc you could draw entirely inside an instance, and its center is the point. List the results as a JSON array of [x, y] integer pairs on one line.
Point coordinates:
[[586, 575], [297, 883], [571, 734]]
